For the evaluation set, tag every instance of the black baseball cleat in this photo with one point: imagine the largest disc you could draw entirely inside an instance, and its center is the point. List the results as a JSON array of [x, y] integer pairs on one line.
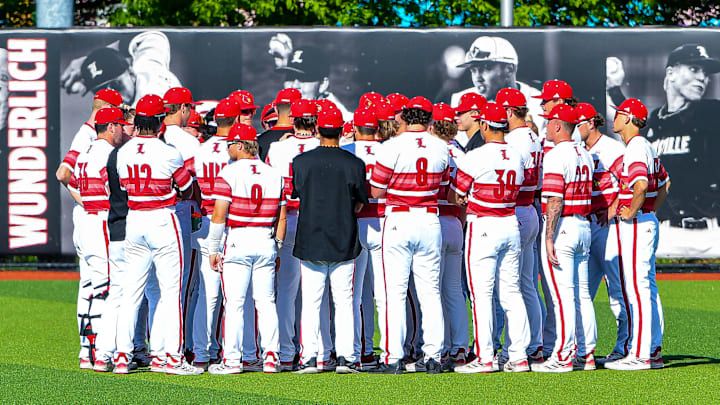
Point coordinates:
[[346, 367], [433, 367], [308, 368], [382, 368]]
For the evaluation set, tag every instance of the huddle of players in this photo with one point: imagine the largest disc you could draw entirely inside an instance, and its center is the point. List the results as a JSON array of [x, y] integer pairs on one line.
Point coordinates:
[[597, 201]]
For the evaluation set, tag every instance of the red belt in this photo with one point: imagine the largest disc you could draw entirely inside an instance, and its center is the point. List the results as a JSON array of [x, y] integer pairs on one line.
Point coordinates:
[[431, 210]]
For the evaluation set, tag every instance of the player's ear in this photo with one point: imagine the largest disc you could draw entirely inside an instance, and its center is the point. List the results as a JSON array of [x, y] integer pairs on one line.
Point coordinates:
[[324, 85]]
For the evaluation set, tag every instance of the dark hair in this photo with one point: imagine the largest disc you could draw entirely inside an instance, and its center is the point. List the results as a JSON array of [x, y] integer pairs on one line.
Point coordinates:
[[598, 120], [445, 130], [366, 131], [330, 133], [305, 123], [225, 122], [638, 123], [568, 127], [571, 101], [520, 112], [208, 130], [152, 124], [416, 116], [100, 128]]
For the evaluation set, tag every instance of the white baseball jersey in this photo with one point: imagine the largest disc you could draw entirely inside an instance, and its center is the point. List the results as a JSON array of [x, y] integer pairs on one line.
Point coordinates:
[[367, 151], [280, 156], [411, 167], [90, 176], [209, 161], [254, 190], [150, 52], [82, 139], [447, 209], [640, 162], [185, 143], [527, 144], [607, 154], [147, 168], [568, 174], [491, 176]]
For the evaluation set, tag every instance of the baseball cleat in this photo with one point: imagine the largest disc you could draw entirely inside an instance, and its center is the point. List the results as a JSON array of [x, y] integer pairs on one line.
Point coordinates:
[[86, 363], [521, 366], [458, 359], [433, 367], [327, 365], [157, 365], [287, 366], [475, 366], [614, 356], [142, 358], [656, 359], [253, 365], [178, 366], [629, 363], [201, 364], [225, 369], [346, 367], [499, 361], [308, 368], [394, 368], [269, 367], [536, 357], [103, 366], [584, 363], [369, 361], [553, 365], [416, 367], [121, 364]]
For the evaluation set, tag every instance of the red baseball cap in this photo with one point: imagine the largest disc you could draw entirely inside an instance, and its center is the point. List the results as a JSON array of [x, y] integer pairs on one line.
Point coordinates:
[[195, 120], [109, 96], [634, 108], [470, 102], [397, 101], [109, 115], [227, 108], [493, 114], [585, 112], [348, 128], [384, 111], [371, 98], [421, 103], [330, 118], [244, 98], [178, 95], [150, 105], [563, 112], [323, 104], [555, 89], [443, 112], [269, 112], [509, 97], [241, 132], [365, 117], [303, 108], [287, 96]]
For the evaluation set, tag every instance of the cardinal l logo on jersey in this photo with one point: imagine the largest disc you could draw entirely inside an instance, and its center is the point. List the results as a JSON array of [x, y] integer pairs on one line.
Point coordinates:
[[254, 169], [216, 148], [504, 154], [420, 142], [368, 150], [140, 148], [94, 71]]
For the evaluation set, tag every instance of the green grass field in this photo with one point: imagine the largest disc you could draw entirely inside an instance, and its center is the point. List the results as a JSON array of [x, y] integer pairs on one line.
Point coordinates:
[[39, 344]]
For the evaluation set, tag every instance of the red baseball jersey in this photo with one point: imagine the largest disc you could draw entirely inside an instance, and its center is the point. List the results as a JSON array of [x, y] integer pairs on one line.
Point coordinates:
[[210, 159], [254, 190], [447, 209], [367, 151], [81, 141], [640, 162], [607, 154], [568, 174], [90, 176], [147, 168], [187, 144], [280, 156], [527, 144], [411, 167], [491, 177]]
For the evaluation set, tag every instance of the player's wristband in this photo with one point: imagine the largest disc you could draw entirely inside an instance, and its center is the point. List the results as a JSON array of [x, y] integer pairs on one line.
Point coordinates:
[[215, 233], [278, 243]]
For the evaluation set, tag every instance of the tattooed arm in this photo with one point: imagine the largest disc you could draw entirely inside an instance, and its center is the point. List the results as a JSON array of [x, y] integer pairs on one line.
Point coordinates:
[[553, 209]]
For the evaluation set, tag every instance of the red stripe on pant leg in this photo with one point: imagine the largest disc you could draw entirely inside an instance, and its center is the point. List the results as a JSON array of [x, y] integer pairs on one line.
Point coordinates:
[[637, 291], [107, 253], [180, 309], [382, 256], [560, 306], [624, 291], [472, 291]]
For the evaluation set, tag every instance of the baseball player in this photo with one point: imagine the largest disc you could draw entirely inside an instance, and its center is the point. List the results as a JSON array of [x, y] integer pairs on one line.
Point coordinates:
[[250, 202], [179, 102], [491, 177], [453, 300], [470, 105], [193, 126], [247, 105], [90, 181], [566, 199], [554, 92], [643, 187], [81, 141], [607, 154], [269, 116], [280, 156], [148, 168], [408, 172], [398, 103], [523, 140], [284, 123], [387, 125]]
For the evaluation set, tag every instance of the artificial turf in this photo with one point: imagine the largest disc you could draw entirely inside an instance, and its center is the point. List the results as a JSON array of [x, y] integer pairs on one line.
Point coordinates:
[[39, 345]]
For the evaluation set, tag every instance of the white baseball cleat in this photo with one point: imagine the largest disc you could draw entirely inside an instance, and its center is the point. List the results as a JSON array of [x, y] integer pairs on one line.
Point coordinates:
[[656, 359], [178, 366], [253, 365], [521, 366], [225, 369], [475, 367], [584, 363], [103, 366], [553, 365], [614, 356], [271, 363], [157, 365], [629, 363], [86, 363], [121, 364]]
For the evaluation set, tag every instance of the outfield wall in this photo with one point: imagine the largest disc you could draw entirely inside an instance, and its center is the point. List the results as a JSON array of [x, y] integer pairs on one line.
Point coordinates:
[[44, 76]]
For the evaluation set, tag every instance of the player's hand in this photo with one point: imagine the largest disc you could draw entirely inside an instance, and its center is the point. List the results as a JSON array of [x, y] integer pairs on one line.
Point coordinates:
[[70, 80], [626, 213], [615, 72], [552, 257], [216, 262]]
